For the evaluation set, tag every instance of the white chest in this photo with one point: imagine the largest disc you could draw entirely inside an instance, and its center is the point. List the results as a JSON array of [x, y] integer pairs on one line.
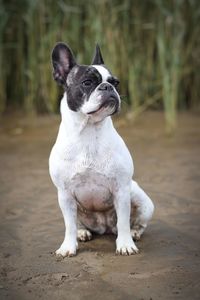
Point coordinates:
[[91, 164]]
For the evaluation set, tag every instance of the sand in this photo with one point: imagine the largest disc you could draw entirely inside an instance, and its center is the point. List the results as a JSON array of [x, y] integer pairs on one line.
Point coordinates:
[[32, 228]]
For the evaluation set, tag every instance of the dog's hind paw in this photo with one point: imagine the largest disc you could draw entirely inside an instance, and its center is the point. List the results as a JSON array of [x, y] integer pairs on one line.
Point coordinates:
[[84, 235], [137, 231]]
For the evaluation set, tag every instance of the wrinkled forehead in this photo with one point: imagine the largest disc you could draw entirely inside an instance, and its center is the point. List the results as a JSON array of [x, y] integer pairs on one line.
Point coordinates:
[[82, 72], [105, 74]]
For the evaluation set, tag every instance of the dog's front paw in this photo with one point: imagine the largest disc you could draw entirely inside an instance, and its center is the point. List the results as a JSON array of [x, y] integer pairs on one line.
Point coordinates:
[[66, 250], [84, 235], [126, 246]]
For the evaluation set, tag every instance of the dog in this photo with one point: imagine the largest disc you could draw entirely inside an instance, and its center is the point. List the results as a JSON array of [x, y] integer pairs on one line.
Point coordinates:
[[90, 164]]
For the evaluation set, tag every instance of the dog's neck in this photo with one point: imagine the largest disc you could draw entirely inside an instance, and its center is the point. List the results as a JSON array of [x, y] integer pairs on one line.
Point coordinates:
[[77, 121]]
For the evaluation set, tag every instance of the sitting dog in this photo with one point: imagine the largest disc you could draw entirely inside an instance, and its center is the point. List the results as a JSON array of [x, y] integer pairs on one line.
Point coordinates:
[[90, 164]]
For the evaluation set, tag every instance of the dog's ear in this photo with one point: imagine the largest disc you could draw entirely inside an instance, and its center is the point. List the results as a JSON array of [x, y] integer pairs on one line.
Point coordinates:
[[97, 59], [63, 61]]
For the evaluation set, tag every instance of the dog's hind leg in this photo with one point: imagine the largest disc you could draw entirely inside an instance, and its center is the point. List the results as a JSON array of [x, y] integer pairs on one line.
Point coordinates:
[[142, 209], [83, 233]]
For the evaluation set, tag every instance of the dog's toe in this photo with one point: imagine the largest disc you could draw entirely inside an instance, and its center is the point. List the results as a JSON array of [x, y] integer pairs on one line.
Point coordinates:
[[127, 251], [61, 253]]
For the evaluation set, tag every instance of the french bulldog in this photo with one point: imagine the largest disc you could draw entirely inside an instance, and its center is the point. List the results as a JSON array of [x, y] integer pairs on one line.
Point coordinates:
[[90, 164]]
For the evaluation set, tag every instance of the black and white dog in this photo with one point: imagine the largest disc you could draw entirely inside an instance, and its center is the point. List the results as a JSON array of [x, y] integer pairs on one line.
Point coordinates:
[[90, 164]]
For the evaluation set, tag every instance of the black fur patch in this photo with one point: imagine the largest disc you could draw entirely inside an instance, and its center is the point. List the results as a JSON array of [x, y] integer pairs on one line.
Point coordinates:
[[81, 82]]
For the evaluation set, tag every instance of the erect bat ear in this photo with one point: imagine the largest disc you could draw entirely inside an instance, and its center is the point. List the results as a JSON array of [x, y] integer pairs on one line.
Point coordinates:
[[63, 61], [97, 59]]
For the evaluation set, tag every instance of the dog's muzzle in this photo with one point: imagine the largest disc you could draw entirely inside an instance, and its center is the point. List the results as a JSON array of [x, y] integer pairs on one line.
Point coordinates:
[[109, 98], [111, 102]]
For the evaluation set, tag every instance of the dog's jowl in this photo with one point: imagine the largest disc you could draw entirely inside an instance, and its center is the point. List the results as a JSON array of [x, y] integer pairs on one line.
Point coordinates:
[[90, 164]]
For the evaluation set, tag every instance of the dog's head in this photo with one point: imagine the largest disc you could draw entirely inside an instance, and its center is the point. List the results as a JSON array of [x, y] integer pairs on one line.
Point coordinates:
[[91, 89]]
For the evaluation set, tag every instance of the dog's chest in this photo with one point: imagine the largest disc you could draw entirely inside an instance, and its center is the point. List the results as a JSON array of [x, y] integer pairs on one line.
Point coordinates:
[[90, 163], [91, 166], [91, 150], [86, 166]]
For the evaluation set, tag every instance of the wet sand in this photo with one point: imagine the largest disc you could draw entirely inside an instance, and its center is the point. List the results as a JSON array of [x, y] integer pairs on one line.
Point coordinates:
[[168, 168]]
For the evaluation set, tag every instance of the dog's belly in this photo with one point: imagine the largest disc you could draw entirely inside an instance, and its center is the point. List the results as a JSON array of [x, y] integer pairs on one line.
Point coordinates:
[[95, 202], [92, 191]]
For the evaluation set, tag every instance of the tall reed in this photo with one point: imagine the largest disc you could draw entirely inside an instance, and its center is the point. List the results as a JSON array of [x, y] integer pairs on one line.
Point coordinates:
[[152, 46], [170, 43], [3, 21]]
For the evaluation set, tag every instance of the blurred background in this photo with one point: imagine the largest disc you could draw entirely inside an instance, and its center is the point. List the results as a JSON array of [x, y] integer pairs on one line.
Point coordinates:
[[152, 46]]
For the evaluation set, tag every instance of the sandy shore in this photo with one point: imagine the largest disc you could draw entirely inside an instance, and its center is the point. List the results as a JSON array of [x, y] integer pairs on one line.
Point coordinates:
[[32, 226]]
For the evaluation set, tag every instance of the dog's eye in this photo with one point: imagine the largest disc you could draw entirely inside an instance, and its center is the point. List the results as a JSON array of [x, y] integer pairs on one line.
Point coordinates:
[[114, 81], [87, 83]]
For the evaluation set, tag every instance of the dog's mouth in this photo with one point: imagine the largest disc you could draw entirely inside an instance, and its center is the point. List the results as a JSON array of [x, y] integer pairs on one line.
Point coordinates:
[[112, 102]]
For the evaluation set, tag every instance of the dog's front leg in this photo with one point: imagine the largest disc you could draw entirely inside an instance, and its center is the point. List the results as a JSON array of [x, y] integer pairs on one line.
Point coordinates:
[[68, 207], [125, 244]]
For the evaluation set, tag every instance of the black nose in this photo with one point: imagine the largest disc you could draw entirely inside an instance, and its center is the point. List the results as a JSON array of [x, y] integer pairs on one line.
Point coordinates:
[[105, 87]]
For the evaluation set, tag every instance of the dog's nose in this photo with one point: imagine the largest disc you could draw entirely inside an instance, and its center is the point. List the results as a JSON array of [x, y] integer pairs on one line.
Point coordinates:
[[105, 87]]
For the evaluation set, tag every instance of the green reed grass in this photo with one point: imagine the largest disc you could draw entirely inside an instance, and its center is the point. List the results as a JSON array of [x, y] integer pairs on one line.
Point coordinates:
[[152, 46]]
